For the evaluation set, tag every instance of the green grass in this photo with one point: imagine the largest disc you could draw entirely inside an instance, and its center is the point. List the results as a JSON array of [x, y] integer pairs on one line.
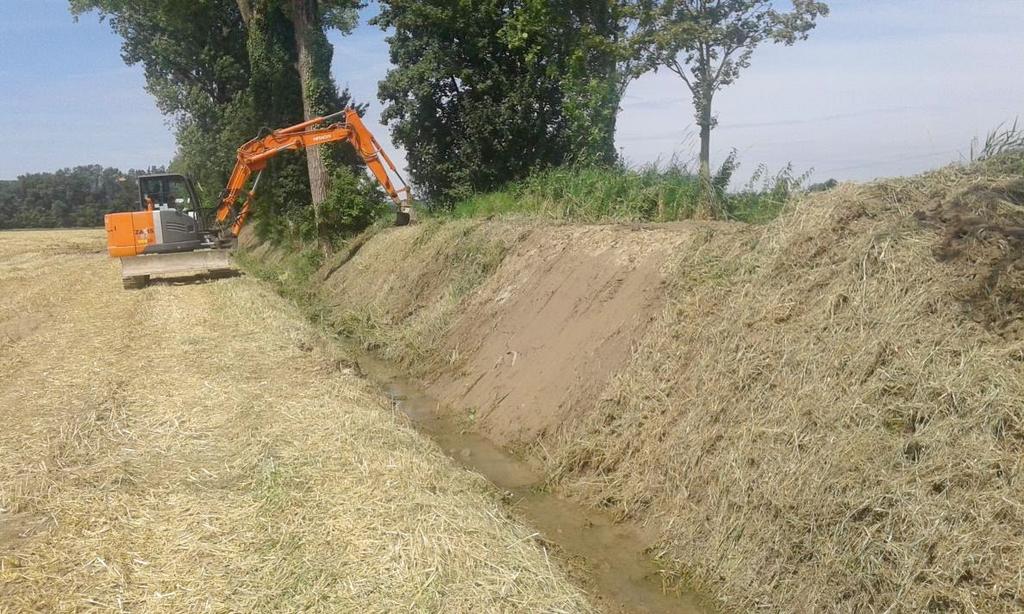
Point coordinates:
[[600, 194], [592, 195]]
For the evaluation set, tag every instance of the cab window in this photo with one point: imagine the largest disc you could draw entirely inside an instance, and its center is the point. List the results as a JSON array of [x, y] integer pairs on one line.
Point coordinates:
[[166, 193]]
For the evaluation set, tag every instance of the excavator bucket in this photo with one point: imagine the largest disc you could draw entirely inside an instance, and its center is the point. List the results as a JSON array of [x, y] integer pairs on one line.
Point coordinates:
[[136, 270]]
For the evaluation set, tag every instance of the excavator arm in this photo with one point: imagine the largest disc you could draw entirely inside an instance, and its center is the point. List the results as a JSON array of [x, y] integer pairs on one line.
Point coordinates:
[[253, 156]]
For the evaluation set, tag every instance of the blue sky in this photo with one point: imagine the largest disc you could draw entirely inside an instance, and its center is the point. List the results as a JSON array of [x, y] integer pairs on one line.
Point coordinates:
[[883, 87]]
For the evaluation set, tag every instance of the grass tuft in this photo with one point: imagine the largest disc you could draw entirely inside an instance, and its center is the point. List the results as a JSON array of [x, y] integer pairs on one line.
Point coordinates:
[[619, 194]]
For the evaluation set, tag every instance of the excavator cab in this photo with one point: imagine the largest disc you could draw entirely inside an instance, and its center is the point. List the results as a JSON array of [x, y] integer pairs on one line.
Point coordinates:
[[177, 195], [168, 191], [168, 220], [166, 235]]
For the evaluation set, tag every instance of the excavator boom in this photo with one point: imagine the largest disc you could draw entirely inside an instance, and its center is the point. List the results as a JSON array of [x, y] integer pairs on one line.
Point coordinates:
[[168, 235], [253, 156]]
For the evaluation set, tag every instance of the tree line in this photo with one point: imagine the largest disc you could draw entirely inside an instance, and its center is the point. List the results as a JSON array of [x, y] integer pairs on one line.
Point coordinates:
[[481, 92], [487, 92], [68, 198]]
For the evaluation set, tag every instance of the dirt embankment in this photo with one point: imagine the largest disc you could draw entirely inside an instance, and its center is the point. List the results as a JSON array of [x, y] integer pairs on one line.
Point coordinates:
[[518, 327], [201, 447], [826, 413]]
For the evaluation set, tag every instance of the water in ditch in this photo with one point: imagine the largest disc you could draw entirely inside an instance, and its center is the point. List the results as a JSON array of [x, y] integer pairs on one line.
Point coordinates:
[[613, 556]]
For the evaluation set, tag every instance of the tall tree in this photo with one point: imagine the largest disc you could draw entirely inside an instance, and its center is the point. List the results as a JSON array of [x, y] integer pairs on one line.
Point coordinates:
[[708, 42], [319, 93], [305, 47], [486, 91], [225, 69], [274, 100], [309, 39]]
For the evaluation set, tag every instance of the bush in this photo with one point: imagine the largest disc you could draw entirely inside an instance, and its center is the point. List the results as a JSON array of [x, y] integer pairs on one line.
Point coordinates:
[[353, 204], [762, 199]]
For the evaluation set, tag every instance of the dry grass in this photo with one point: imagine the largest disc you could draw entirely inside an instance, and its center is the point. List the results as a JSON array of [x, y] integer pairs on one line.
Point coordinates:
[[405, 314], [200, 448], [827, 415], [830, 415]]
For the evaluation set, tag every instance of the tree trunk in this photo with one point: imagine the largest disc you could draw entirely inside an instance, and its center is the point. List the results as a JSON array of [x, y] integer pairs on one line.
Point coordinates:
[[245, 8], [708, 207], [306, 20], [705, 151]]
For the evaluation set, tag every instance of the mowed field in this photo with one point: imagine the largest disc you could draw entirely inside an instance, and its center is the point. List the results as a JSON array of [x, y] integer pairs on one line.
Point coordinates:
[[200, 447]]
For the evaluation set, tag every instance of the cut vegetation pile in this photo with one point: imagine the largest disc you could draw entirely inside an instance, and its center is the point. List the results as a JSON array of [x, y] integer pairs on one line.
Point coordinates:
[[823, 413], [201, 448], [834, 416]]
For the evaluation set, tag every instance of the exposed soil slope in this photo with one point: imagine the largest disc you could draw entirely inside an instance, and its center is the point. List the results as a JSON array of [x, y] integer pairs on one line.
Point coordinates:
[[826, 413], [515, 325], [201, 448]]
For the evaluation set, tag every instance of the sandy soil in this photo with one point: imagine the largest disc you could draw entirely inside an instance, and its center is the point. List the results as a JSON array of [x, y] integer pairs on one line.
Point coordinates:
[[551, 325], [200, 448], [518, 326]]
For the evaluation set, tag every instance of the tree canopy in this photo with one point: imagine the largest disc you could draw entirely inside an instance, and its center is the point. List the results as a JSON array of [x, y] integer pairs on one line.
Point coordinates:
[[707, 43], [70, 197], [484, 92]]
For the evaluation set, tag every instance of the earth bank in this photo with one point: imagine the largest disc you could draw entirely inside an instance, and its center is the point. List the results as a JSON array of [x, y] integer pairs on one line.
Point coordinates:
[[824, 413]]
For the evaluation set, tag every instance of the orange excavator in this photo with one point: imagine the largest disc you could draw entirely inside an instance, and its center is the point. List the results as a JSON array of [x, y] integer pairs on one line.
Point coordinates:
[[172, 234]]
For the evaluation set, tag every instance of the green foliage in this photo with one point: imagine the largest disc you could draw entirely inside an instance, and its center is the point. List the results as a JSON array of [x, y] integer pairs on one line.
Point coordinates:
[[708, 44], [224, 70], [219, 81], [275, 93], [292, 275], [720, 181], [320, 91], [1003, 139], [353, 203], [592, 194], [765, 195], [487, 91], [340, 15], [207, 154], [193, 57], [583, 45], [71, 197]]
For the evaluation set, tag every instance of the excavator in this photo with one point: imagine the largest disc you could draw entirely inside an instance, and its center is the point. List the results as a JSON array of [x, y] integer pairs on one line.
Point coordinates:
[[171, 233]]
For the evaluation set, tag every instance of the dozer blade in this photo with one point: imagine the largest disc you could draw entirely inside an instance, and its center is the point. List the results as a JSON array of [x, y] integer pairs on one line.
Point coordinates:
[[136, 270]]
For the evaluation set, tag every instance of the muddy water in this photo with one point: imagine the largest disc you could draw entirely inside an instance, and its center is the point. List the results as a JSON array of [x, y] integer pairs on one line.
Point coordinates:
[[620, 575]]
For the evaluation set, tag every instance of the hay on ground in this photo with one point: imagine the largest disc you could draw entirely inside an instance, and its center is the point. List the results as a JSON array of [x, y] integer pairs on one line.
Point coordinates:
[[200, 448], [830, 416]]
